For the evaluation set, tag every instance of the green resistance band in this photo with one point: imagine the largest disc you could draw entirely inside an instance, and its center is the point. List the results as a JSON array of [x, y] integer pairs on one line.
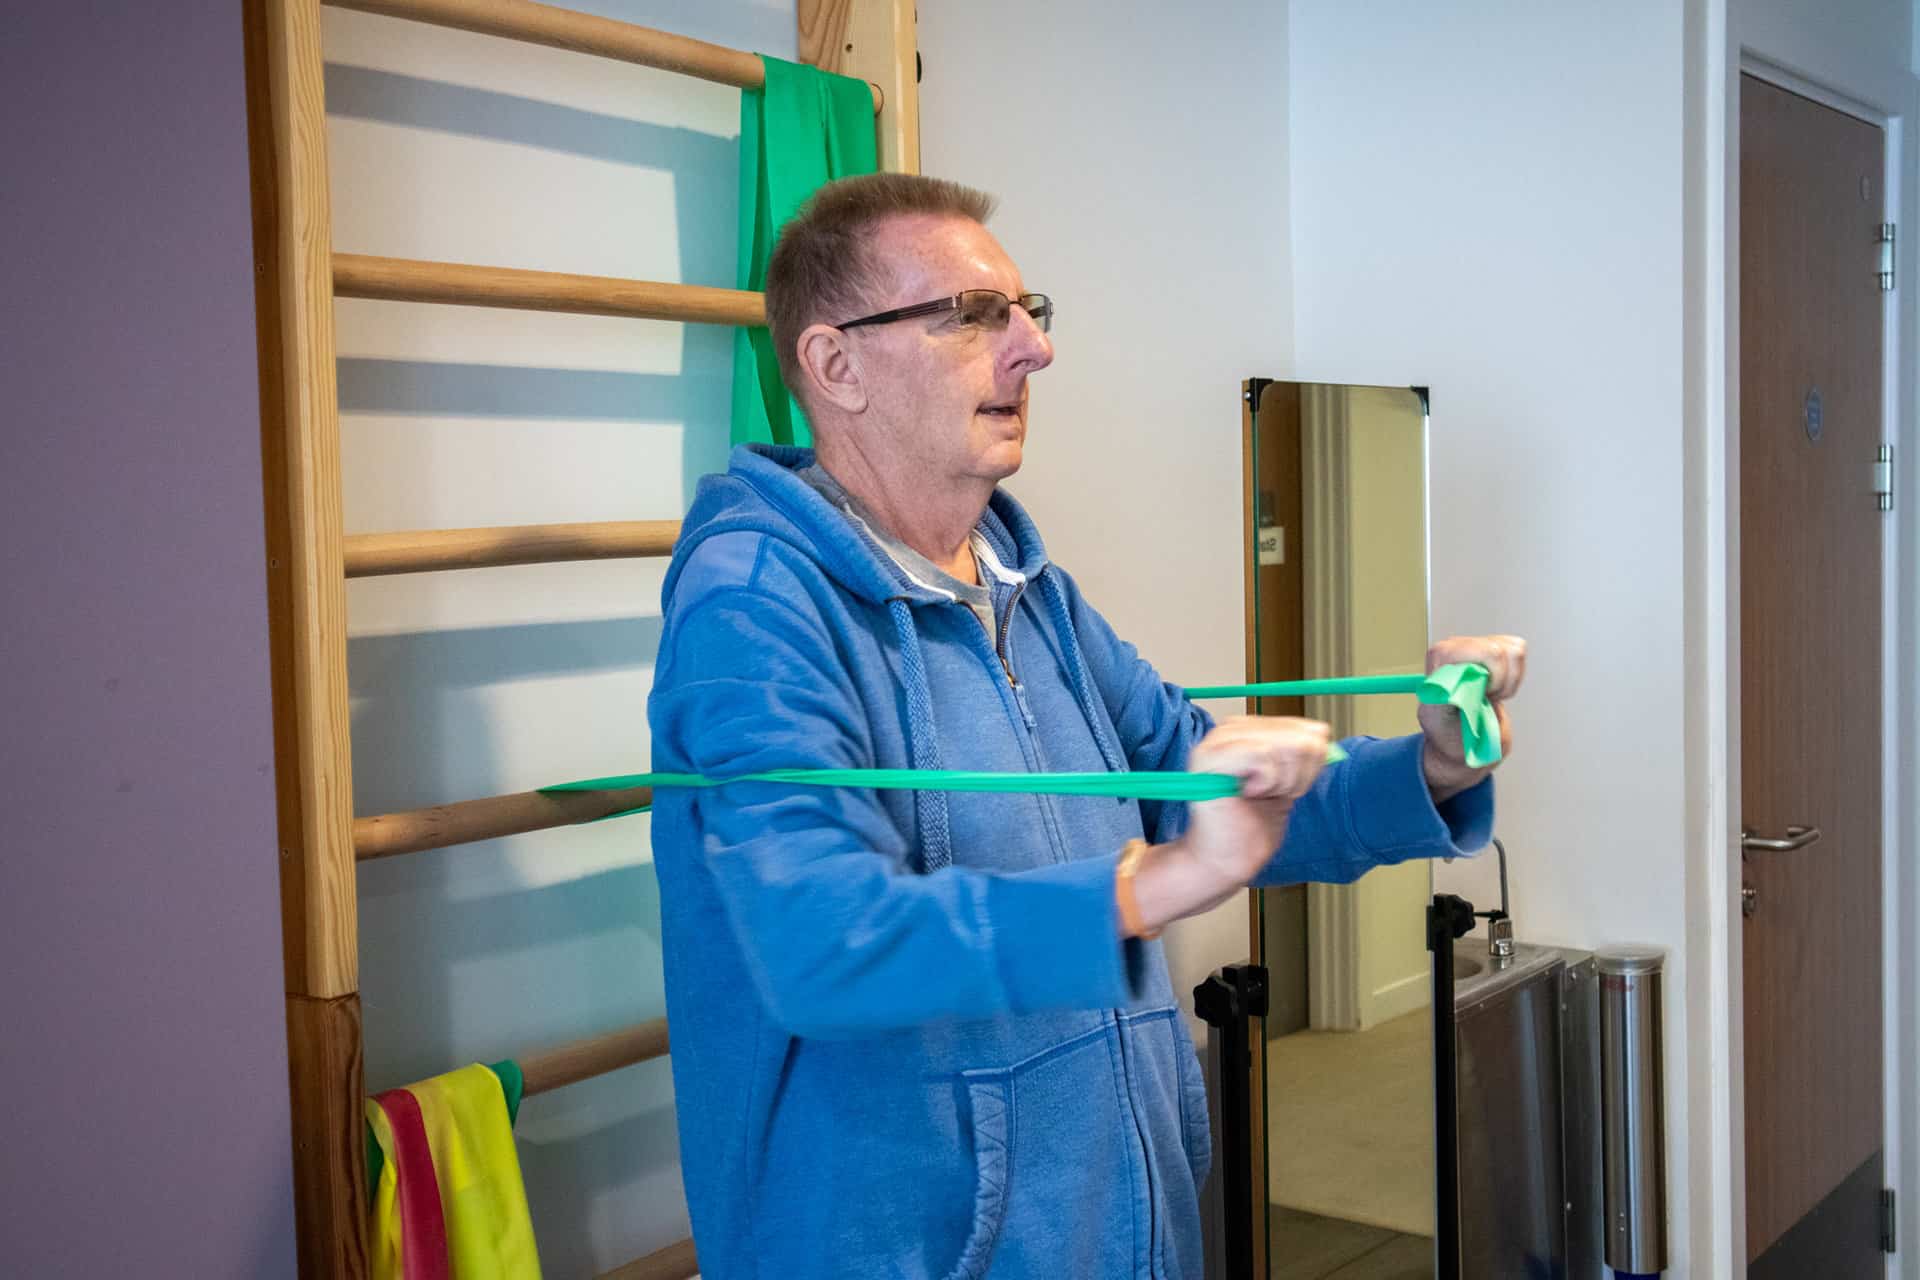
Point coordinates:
[[1461, 686]]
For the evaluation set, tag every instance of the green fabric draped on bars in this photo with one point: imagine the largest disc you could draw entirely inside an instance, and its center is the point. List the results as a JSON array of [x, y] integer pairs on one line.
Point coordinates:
[[805, 128]]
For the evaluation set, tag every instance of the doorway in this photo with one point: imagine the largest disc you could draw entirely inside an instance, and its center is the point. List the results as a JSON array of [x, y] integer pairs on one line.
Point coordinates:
[[1812, 201]]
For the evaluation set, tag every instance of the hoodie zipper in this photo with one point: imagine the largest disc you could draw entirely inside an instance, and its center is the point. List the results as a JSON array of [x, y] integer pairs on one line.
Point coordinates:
[[1004, 656], [1000, 644]]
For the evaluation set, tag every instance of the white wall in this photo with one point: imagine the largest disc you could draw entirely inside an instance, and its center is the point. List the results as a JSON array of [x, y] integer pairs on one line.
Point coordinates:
[[1141, 160], [1488, 201], [1548, 248], [459, 147], [452, 146]]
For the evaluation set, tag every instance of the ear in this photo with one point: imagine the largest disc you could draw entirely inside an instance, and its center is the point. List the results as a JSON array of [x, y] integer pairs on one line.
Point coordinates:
[[832, 374]]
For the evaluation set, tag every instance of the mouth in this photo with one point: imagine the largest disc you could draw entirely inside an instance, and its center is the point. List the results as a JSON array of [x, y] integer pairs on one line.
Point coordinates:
[[1004, 408]]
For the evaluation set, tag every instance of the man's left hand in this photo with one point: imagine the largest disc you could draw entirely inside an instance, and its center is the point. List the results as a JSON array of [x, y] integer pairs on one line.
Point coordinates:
[[1444, 758]]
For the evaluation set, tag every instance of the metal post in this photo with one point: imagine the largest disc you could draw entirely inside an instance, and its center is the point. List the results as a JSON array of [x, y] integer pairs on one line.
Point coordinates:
[[1226, 1002], [1449, 917]]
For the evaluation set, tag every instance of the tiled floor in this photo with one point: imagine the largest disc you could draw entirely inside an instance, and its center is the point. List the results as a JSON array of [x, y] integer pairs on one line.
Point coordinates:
[[1305, 1246], [1350, 1124]]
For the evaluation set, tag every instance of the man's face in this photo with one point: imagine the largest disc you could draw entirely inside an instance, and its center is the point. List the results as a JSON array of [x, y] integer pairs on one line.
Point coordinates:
[[951, 398]]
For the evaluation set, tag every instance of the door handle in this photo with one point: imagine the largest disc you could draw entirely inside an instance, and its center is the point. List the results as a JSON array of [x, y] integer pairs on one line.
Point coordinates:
[[1796, 838]]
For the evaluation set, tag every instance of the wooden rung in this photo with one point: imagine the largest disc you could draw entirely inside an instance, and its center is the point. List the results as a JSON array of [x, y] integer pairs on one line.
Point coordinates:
[[358, 275], [387, 834], [371, 555], [585, 1059], [675, 1262], [583, 33]]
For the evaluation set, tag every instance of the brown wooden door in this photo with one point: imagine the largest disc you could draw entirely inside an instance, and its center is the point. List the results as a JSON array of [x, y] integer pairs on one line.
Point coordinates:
[[1810, 591]]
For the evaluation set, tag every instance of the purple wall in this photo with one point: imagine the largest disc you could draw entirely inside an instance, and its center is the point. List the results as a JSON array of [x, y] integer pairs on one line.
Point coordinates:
[[142, 1043]]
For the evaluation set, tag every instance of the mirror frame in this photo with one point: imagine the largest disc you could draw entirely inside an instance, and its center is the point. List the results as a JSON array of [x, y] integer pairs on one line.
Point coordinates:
[[1251, 394]]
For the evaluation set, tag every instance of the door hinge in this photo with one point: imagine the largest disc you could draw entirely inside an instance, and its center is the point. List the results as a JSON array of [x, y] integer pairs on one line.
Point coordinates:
[[1883, 477], [1889, 1234], [1885, 240]]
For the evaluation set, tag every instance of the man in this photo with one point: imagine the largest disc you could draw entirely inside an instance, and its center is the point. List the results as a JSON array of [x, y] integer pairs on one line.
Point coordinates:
[[926, 1034]]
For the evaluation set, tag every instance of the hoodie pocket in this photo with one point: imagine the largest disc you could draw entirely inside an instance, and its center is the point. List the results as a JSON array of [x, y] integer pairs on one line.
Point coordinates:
[[1059, 1188], [991, 1104]]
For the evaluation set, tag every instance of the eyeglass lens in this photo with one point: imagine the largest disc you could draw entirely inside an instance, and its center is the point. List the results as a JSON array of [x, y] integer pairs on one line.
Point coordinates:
[[989, 309]]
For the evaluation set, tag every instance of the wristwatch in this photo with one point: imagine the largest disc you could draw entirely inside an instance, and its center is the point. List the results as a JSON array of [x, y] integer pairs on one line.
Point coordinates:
[[1132, 854]]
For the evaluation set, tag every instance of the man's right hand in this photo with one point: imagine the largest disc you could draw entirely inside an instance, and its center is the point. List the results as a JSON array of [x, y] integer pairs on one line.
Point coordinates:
[[1228, 841]]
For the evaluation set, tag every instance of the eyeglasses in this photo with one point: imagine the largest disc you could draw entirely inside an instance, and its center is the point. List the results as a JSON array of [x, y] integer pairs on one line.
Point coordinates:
[[985, 309]]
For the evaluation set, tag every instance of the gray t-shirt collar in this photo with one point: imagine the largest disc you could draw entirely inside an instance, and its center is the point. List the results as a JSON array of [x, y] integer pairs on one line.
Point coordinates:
[[917, 567]]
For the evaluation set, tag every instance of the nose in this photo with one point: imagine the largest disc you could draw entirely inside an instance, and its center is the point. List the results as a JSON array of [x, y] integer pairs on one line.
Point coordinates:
[[1028, 350]]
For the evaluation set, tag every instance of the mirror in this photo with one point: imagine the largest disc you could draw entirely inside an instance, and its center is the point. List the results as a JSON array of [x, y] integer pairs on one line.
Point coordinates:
[[1336, 515]]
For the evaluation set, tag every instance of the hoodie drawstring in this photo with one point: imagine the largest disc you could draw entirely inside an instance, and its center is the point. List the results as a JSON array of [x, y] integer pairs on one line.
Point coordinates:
[[1077, 672], [923, 744]]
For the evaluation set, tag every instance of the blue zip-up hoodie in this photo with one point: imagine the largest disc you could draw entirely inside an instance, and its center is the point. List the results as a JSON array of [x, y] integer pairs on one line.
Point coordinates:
[[907, 1039]]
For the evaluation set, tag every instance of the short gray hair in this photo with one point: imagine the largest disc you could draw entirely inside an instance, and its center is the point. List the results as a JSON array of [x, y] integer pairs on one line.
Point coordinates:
[[821, 272]]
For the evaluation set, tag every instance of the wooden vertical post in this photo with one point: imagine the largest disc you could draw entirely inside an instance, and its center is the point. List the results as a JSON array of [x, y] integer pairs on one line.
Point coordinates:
[[306, 597], [874, 41]]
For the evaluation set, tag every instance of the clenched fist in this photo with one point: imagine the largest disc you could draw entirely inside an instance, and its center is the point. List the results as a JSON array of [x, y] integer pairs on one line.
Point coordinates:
[[1505, 658], [1228, 841]]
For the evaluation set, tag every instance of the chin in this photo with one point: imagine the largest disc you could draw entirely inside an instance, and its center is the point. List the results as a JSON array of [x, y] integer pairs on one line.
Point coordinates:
[[997, 452], [1002, 460]]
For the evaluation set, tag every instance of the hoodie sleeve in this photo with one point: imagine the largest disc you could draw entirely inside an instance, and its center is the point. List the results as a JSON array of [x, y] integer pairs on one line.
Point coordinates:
[[840, 935], [1372, 809]]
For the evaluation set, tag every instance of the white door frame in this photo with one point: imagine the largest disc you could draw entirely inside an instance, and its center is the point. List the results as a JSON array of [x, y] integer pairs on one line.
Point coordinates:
[[1774, 49]]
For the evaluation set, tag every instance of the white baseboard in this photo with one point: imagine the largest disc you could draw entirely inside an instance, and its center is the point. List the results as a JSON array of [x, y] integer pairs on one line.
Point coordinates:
[[1403, 995]]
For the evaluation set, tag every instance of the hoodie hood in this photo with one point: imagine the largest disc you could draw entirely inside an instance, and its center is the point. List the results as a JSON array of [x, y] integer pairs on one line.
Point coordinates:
[[762, 492]]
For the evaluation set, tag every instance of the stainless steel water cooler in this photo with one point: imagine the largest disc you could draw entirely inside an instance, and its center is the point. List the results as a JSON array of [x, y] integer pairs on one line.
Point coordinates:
[[1548, 1091], [1527, 1111]]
